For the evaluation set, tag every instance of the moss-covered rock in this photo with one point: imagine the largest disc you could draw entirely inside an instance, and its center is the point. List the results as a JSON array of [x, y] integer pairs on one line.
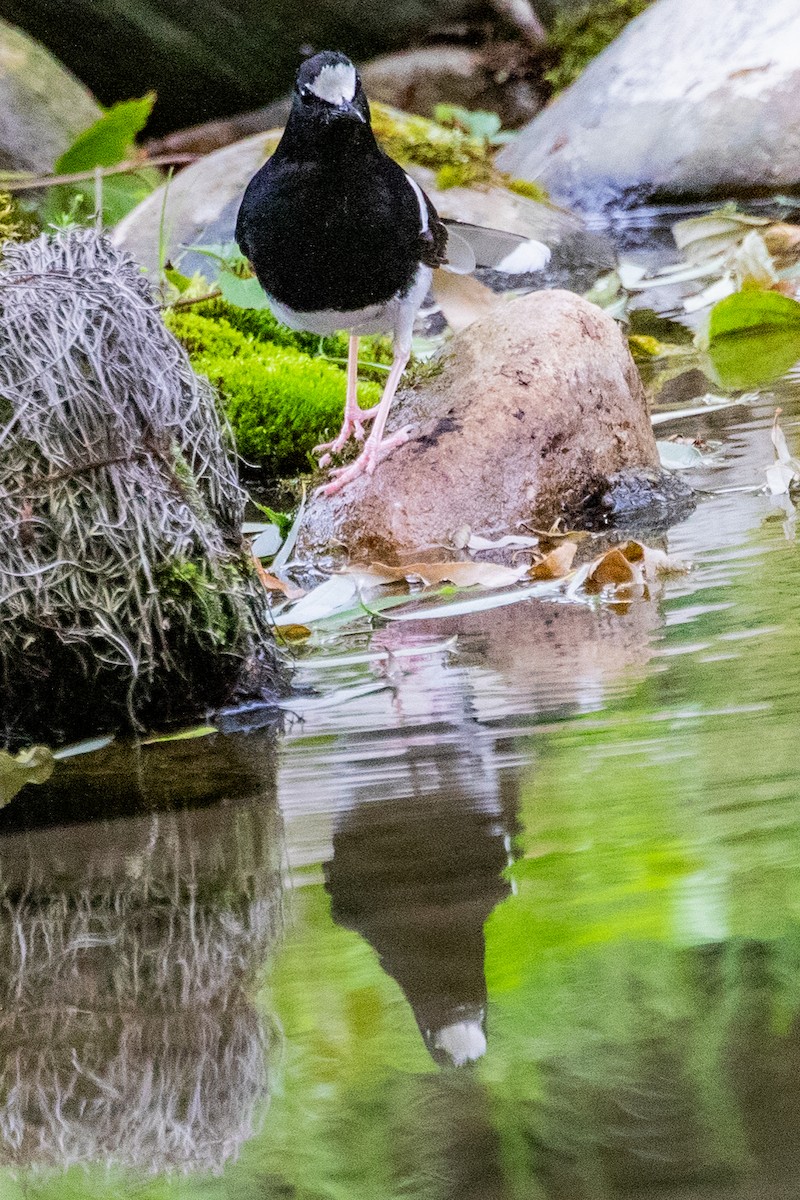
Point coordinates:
[[280, 400], [458, 158]]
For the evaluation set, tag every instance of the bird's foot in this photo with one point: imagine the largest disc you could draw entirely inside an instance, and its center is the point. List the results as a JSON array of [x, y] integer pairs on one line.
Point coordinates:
[[374, 452], [352, 426]]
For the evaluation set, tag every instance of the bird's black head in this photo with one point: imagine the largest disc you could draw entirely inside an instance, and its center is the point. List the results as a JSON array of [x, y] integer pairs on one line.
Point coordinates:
[[328, 92]]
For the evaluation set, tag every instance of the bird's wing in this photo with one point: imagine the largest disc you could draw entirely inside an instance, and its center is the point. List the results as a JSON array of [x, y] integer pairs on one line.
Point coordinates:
[[511, 253], [433, 249]]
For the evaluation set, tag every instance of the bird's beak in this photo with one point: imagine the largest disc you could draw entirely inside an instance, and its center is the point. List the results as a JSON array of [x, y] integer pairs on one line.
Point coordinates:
[[348, 110]]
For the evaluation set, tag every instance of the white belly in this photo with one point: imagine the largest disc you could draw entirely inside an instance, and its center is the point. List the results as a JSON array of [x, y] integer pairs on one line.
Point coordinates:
[[394, 316]]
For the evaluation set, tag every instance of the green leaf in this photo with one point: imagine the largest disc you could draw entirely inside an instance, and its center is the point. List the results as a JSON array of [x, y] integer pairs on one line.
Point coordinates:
[[244, 293], [109, 140], [753, 359], [34, 765], [752, 310]]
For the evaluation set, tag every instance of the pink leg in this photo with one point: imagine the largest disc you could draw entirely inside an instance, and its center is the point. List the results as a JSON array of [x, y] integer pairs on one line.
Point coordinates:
[[353, 415], [376, 450]]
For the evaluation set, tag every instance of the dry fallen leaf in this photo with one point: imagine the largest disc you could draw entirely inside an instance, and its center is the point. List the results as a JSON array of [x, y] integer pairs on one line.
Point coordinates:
[[783, 242], [462, 574], [273, 584], [629, 566], [555, 564], [293, 633]]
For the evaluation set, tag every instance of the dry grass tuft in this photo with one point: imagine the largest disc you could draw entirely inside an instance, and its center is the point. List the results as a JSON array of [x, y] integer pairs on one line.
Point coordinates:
[[123, 585]]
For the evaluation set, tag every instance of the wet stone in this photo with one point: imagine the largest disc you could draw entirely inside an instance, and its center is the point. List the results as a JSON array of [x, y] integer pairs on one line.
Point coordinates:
[[535, 409]]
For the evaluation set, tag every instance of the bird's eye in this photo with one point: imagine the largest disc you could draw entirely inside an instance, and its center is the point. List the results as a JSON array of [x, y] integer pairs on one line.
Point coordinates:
[[305, 94]]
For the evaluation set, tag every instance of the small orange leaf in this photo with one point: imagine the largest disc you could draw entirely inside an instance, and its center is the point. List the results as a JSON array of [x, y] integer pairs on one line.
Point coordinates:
[[555, 564]]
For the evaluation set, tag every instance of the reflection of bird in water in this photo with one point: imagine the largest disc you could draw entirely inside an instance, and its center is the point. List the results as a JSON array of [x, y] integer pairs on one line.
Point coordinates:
[[417, 878], [341, 238]]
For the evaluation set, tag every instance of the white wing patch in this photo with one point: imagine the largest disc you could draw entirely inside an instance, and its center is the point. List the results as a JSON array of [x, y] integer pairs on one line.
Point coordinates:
[[424, 223], [336, 83], [527, 256]]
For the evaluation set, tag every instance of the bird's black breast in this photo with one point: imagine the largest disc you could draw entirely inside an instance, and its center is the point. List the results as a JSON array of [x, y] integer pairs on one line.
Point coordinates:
[[331, 235]]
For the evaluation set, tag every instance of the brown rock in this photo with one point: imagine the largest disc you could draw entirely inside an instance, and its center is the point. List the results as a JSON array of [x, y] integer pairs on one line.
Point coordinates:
[[537, 405]]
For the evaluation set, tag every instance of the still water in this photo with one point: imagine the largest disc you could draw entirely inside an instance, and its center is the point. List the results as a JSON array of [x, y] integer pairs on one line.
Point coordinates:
[[507, 909]]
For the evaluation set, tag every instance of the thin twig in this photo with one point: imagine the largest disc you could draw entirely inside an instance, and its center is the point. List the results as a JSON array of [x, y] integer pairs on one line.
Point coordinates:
[[15, 184]]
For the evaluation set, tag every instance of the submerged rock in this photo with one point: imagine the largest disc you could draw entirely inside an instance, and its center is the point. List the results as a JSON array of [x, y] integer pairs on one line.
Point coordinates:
[[535, 409], [686, 102], [43, 107]]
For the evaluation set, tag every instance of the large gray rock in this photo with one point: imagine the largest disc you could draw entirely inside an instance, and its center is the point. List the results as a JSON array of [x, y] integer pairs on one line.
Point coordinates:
[[691, 100], [43, 107], [536, 407]]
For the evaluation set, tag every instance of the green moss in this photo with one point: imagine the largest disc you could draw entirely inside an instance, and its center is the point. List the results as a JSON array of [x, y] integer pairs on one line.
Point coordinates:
[[16, 225], [207, 601], [526, 187], [260, 325], [578, 37], [411, 139], [458, 158], [280, 402]]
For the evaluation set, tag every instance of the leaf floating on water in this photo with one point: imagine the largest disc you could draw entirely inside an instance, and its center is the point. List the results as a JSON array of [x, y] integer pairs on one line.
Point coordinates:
[[34, 765], [783, 243], [679, 456], [462, 574], [293, 633], [329, 597], [267, 542], [556, 564], [273, 584], [715, 291], [704, 404], [88, 747], [183, 735], [753, 309], [631, 565], [716, 233], [786, 469], [511, 539]]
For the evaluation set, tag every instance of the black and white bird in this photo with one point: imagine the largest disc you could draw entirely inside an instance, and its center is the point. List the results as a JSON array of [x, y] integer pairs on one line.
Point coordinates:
[[341, 238]]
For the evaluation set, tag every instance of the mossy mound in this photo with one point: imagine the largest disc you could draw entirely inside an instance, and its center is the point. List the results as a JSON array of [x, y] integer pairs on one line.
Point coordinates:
[[578, 37], [126, 592], [280, 392]]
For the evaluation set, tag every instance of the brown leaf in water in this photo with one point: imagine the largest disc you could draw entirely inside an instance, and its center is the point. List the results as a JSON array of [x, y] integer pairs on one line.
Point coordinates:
[[783, 242], [292, 633], [555, 564], [273, 584], [629, 565]]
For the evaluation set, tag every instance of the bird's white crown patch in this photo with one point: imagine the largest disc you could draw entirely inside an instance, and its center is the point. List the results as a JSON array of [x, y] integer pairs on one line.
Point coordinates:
[[336, 83]]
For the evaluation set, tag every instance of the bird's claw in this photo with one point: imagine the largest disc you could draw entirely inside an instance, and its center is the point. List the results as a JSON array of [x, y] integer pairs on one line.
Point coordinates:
[[351, 427], [372, 454]]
